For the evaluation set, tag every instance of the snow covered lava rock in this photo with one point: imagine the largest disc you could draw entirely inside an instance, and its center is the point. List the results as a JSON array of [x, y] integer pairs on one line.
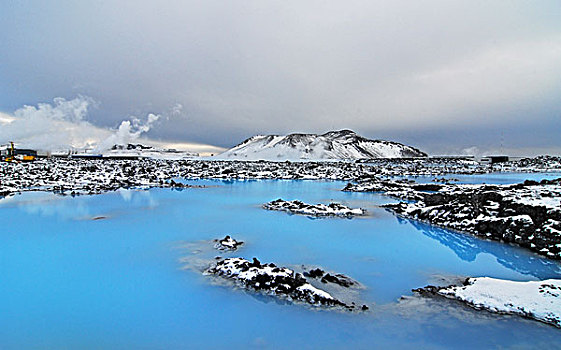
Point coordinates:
[[343, 144], [539, 300], [528, 214], [227, 243], [298, 207], [93, 176], [402, 189], [274, 280], [337, 278], [536, 164]]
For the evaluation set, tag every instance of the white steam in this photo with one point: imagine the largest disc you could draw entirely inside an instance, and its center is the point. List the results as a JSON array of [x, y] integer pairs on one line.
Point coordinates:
[[177, 109], [128, 132], [62, 125]]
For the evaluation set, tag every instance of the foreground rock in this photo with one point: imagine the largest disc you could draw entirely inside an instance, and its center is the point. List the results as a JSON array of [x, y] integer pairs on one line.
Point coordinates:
[[539, 300], [298, 207], [277, 281], [227, 244]]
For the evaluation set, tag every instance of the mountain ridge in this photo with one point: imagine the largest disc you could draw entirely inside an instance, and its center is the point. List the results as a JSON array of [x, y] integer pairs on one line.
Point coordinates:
[[340, 144]]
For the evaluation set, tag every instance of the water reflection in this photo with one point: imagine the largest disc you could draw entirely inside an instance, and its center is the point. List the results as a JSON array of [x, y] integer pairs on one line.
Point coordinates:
[[492, 178], [48, 205], [467, 247], [83, 208]]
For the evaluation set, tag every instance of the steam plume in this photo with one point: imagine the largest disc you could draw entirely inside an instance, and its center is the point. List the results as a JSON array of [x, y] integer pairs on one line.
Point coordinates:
[[62, 125]]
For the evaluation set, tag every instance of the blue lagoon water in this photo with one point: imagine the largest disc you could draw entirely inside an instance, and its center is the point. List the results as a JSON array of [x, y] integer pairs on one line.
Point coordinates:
[[69, 281], [506, 178]]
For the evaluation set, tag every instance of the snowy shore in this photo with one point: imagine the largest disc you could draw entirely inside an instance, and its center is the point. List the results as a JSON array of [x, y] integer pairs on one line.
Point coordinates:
[[87, 176]]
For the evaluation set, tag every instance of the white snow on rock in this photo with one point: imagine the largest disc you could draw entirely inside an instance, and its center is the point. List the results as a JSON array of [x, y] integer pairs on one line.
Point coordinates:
[[91, 175], [272, 279], [548, 197], [344, 144], [284, 283], [298, 207], [528, 213], [540, 300]]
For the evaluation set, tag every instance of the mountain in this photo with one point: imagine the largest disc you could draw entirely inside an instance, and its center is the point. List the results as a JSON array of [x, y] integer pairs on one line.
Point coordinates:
[[343, 144]]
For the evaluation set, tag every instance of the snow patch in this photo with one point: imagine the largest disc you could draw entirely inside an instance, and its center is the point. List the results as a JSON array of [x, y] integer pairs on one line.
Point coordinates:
[[539, 300]]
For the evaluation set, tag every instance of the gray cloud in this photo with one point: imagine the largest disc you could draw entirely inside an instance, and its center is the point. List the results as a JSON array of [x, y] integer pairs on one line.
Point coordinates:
[[441, 75]]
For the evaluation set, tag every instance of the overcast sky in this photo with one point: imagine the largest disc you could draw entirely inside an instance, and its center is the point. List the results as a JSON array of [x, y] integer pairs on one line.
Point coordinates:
[[443, 76]]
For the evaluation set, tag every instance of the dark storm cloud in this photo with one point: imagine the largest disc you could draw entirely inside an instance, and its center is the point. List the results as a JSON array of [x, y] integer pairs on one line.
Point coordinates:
[[436, 74]]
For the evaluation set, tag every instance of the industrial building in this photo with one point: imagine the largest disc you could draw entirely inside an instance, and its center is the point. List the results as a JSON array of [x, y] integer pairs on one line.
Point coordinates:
[[494, 159], [9, 154]]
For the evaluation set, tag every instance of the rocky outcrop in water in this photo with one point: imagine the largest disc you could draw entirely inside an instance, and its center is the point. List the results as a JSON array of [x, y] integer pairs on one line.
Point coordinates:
[[318, 210], [528, 214], [336, 278], [227, 244], [277, 281], [402, 189]]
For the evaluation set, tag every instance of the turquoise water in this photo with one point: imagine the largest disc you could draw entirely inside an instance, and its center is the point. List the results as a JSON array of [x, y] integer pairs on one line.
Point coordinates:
[[68, 281], [495, 178]]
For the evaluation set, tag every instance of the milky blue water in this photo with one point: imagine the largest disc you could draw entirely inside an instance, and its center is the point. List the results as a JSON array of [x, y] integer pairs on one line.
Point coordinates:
[[68, 281], [495, 178]]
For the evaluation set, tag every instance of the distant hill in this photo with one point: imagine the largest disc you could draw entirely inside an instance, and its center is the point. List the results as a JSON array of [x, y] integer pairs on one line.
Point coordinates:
[[141, 150], [343, 144]]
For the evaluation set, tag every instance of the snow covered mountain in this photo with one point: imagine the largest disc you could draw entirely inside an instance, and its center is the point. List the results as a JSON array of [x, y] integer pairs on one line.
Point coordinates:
[[343, 144]]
